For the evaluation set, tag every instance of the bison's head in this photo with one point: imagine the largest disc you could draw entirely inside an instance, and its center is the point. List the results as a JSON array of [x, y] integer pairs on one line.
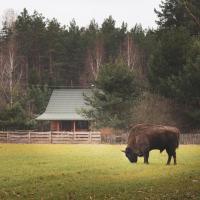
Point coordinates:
[[131, 155]]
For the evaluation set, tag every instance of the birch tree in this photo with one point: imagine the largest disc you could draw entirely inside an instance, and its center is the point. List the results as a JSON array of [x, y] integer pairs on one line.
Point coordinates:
[[133, 56], [131, 53], [95, 57], [10, 69], [10, 73]]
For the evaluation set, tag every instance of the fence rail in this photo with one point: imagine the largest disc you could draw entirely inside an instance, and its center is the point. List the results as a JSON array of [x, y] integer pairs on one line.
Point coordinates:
[[76, 137], [50, 137], [190, 139], [184, 139]]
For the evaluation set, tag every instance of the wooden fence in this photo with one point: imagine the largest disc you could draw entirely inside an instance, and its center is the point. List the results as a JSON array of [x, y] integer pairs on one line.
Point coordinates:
[[50, 137], [190, 139], [184, 139], [76, 137]]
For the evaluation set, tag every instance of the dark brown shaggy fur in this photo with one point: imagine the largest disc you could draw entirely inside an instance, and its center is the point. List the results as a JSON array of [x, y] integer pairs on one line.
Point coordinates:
[[145, 137]]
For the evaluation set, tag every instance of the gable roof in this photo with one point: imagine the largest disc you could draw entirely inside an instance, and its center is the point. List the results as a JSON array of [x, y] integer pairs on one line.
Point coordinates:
[[64, 104]]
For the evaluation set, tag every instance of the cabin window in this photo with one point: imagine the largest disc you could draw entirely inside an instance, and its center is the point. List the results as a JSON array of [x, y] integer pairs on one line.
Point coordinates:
[[82, 125], [66, 126]]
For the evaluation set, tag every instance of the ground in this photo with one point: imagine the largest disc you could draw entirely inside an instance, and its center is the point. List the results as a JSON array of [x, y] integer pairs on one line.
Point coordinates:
[[95, 172]]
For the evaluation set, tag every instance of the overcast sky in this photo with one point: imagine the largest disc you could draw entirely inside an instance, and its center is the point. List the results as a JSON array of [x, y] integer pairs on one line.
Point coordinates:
[[130, 11]]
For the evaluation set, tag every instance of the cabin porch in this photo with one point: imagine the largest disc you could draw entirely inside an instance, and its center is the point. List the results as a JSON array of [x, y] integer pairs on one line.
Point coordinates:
[[70, 125]]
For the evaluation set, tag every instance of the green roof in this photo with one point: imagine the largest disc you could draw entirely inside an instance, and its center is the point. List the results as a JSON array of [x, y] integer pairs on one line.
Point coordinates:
[[64, 104]]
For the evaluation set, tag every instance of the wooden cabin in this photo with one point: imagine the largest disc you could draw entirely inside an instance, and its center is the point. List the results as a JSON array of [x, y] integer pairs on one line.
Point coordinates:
[[63, 110]]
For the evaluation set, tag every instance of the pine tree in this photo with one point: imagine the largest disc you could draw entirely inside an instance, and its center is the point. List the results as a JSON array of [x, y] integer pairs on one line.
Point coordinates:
[[177, 13], [113, 96]]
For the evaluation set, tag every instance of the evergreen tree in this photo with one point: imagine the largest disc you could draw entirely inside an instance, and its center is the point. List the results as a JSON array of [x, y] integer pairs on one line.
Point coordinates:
[[31, 36], [168, 58], [14, 118], [177, 13], [185, 86], [113, 96], [174, 64], [37, 99], [113, 38]]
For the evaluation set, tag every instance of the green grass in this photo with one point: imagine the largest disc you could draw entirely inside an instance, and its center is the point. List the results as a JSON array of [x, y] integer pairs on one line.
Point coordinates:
[[95, 172]]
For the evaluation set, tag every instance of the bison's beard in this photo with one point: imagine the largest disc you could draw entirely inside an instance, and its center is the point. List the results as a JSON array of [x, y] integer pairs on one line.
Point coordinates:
[[131, 155], [133, 159]]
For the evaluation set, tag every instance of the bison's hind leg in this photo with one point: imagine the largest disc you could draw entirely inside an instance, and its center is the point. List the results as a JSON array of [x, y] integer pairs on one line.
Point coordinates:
[[171, 152], [162, 149], [174, 157], [146, 157], [169, 156]]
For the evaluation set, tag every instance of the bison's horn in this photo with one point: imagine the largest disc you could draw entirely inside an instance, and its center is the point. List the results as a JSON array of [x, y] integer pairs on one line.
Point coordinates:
[[123, 151]]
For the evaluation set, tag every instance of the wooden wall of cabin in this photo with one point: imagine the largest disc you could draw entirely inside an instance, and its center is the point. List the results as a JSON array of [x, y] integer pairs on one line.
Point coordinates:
[[69, 126], [55, 126]]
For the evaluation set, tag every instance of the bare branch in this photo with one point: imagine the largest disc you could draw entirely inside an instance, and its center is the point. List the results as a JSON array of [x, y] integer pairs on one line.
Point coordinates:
[[196, 20]]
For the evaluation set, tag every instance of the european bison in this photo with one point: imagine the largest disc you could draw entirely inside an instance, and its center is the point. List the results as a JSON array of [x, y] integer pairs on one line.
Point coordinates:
[[145, 137]]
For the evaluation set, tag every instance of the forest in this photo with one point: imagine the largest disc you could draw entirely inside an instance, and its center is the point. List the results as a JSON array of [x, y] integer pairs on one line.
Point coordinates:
[[146, 75]]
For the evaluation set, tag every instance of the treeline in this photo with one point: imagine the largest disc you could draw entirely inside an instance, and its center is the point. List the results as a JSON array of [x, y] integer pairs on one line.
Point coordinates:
[[60, 55], [38, 54]]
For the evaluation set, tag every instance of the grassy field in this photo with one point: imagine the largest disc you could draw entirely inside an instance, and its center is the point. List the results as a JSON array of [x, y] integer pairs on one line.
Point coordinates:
[[95, 172]]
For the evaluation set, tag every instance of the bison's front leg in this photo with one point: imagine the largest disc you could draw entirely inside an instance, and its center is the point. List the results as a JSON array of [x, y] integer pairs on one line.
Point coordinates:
[[146, 157]]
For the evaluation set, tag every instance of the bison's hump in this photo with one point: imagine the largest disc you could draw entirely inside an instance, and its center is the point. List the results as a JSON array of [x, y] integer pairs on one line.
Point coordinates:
[[147, 128]]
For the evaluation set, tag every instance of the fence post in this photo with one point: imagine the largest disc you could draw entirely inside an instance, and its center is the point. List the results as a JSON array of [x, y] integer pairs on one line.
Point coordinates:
[[29, 137], [74, 130], [194, 139], [6, 137], [50, 136], [74, 136], [90, 137]]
